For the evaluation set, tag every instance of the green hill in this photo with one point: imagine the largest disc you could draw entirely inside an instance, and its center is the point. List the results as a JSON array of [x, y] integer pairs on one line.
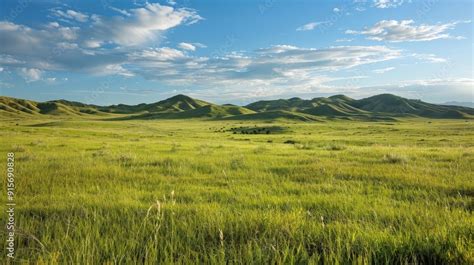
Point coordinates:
[[275, 115], [13, 107], [176, 103], [384, 105], [395, 105], [379, 107], [280, 104], [207, 111], [326, 110]]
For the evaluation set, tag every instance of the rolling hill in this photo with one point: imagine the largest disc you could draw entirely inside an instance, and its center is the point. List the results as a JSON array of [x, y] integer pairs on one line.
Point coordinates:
[[206, 111], [13, 107], [379, 107]]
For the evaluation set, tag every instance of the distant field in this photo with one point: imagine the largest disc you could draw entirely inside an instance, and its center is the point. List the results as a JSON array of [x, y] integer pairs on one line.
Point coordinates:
[[191, 191]]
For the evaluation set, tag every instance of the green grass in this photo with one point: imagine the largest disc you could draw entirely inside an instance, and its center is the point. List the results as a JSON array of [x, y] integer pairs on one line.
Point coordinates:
[[186, 192]]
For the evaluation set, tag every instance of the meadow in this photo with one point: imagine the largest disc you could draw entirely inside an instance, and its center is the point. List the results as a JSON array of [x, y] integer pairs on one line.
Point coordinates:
[[241, 192]]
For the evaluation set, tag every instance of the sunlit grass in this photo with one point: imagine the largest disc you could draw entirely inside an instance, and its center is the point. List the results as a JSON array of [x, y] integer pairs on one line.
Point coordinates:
[[92, 192]]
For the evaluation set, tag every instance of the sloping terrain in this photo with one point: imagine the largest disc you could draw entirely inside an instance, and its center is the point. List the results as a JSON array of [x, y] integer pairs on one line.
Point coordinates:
[[384, 105], [207, 111], [280, 104], [395, 105], [275, 115], [13, 107], [379, 107], [178, 103]]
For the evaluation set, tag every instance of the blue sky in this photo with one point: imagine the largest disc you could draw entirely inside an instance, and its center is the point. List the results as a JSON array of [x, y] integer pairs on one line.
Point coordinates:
[[111, 51]]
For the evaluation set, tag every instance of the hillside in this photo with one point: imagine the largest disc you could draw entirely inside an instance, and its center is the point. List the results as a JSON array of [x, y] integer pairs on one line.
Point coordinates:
[[340, 106], [275, 115], [174, 104], [13, 107], [206, 111], [395, 105], [379, 107]]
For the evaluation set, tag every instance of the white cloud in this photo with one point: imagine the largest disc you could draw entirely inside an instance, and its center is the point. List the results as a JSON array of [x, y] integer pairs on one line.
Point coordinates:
[[61, 48], [134, 26], [187, 46], [336, 10], [144, 24], [158, 54], [383, 70], [115, 69], [309, 26], [199, 45], [389, 3], [121, 11], [404, 30], [428, 57], [53, 24], [344, 40], [92, 43], [115, 46], [30, 74], [279, 65], [71, 14], [465, 82], [54, 51], [277, 68], [431, 90]]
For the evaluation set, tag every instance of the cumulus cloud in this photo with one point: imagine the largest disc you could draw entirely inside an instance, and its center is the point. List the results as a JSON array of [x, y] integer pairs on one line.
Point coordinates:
[[30, 74], [82, 47], [121, 11], [389, 3], [199, 45], [187, 46], [55, 49], [464, 82], [71, 14], [431, 90], [404, 30], [383, 70], [344, 40], [336, 10], [80, 52], [115, 45], [277, 67], [428, 57], [132, 27], [142, 25], [309, 26]]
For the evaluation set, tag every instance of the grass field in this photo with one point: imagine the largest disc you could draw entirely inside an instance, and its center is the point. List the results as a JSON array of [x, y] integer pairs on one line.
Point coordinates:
[[185, 192]]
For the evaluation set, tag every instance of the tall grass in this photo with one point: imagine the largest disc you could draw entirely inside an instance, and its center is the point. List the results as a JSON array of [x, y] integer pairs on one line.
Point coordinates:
[[86, 195]]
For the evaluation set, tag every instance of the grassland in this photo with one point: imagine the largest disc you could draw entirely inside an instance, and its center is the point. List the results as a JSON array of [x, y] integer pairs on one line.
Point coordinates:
[[190, 191]]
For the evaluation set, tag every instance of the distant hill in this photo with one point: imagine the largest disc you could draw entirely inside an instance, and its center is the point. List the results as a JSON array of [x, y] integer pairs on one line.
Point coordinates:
[[395, 105], [461, 104], [384, 105], [206, 111], [13, 107], [379, 107], [275, 115], [174, 104]]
